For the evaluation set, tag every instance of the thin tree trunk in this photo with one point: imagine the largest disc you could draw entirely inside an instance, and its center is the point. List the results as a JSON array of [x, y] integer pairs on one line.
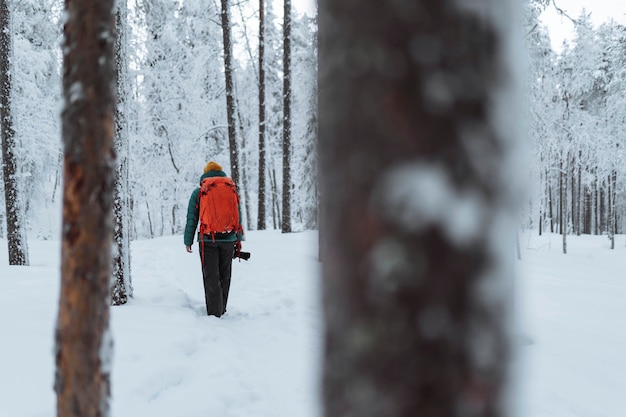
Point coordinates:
[[286, 223], [574, 197], [580, 197], [596, 205], [542, 200], [83, 340], [550, 208], [587, 225], [564, 213], [612, 221], [405, 333], [230, 92], [561, 205], [614, 205], [16, 229], [276, 204], [149, 220], [244, 176], [121, 288], [261, 215]]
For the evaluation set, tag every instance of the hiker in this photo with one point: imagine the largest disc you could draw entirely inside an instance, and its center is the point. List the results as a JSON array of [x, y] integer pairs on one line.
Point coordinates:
[[215, 204]]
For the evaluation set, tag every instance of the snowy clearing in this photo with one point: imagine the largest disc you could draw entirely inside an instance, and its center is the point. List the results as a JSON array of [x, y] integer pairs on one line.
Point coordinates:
[[262, 358]]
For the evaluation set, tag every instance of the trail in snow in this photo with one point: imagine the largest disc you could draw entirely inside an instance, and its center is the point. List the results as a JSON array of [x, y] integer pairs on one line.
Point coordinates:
[[170, 359], [262, 358]]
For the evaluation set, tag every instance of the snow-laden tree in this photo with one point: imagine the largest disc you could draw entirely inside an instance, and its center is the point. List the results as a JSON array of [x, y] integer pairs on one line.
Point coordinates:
[[181, 120], [575, 128], [274, 114], [36, 104], [304, 123], [230, 91]]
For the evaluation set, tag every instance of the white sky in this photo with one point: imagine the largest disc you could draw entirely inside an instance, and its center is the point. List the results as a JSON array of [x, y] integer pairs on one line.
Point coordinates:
[[601, 10], [560, 27], [306, 6]]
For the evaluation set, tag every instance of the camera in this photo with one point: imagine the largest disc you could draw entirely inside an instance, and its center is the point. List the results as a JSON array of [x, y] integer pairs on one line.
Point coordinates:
[[241, 254]]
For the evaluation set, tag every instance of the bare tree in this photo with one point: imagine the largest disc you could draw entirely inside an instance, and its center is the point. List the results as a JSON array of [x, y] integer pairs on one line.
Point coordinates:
[[16, 234], [230, 92], [121, 287], [416, 170], [83, 341], [262, 166], [286, 223]]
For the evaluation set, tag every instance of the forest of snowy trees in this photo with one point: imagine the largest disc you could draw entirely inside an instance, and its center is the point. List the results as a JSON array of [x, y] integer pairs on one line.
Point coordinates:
[[110, 109], [575, 127], [174, 96], [174, 99]]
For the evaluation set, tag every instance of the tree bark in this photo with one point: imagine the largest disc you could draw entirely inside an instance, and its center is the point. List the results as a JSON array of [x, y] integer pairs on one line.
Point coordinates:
[[244, 176], [550, 208], [561, 205], [564, 214], [83, 340], [121, 288], [579, 194], [404, 88], [16, 233], [262, 214], [230, 92], [286, 223]]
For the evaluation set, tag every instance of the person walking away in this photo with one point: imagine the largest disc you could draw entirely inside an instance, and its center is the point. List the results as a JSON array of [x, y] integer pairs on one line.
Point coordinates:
[[215, 205]]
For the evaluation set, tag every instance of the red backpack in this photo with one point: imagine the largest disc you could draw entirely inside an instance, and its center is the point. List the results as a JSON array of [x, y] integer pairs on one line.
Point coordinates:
[[218, 206]]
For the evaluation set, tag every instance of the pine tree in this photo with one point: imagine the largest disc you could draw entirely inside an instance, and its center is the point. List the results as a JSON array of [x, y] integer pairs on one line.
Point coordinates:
[[286, 221], [230, 92], [83, 340], [122, 283], [416, 165], [16, 233], [261, 214]]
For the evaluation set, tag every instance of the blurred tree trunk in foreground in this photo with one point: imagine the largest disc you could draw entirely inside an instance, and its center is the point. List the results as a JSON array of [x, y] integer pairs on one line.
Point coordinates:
[[83, 341], [416, 166]]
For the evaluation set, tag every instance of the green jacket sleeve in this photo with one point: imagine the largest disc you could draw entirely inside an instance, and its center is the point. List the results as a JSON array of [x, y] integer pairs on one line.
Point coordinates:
[[192, 218]]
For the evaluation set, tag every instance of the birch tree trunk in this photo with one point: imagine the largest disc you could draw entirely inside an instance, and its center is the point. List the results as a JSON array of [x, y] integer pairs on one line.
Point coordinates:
[[83, 341], [16, 233], [411, 140], [121, 287], [230, 92], [286, 223]]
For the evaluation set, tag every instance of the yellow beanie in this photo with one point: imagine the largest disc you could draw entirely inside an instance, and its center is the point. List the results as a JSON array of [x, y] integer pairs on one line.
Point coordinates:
[[212, 166]]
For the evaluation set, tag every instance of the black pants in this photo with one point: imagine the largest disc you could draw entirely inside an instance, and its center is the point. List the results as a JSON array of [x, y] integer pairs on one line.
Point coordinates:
[[217, 260]]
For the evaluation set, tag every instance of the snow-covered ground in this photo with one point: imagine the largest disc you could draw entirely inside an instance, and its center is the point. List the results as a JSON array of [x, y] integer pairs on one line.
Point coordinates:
[[262, 358], [171, 360], [571, 307]]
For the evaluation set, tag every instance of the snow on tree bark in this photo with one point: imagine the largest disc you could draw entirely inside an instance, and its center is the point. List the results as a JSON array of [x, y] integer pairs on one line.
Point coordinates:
[[16, 229], [286, 222], [121, 287], [417, 167], [261, 213], [83, 340]]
